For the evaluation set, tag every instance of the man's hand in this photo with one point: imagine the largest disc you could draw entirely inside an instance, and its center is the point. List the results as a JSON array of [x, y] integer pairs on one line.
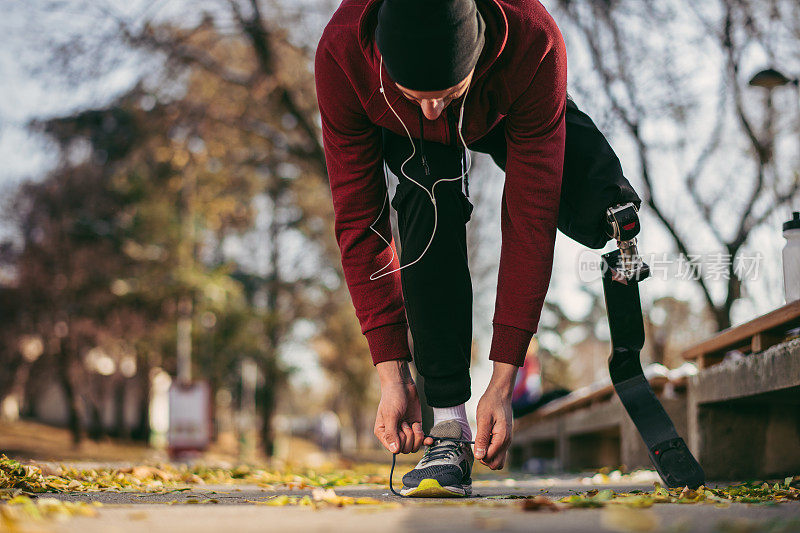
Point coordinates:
[[398, 424], [495, 418]]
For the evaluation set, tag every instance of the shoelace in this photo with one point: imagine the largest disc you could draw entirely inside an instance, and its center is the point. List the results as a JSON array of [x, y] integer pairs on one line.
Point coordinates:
[[442, 450], [431, 456]]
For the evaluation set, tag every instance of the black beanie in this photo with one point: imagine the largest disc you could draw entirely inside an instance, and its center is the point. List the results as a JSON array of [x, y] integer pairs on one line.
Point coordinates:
[[429, 45]]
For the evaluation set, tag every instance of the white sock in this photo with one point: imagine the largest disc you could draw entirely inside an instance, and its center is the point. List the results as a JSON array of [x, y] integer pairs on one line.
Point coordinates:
[[459, 413]]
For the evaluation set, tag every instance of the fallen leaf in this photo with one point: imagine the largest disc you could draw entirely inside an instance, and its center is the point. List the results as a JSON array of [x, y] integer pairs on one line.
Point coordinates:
[[539, 503]]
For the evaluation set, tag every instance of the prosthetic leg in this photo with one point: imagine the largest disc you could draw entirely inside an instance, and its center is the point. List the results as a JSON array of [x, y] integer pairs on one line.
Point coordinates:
[[623, 269]]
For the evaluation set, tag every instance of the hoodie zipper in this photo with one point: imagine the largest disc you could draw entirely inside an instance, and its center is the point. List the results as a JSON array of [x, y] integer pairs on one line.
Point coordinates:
[[452, 130]]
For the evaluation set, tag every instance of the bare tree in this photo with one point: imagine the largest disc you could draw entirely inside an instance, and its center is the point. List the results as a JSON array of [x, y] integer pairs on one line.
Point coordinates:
[[245, 51], [672, 77]]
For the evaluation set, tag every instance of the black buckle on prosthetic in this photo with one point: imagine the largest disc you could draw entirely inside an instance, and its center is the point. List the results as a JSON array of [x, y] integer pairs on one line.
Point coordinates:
[[623, 221]]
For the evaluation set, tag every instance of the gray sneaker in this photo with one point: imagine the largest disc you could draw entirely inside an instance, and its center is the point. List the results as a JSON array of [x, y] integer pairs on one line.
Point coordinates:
[[445, 469]]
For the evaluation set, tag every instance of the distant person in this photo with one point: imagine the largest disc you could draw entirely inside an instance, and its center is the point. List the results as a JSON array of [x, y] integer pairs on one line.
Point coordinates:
[[329, 431], [529, 392], [528, 386], [412, 85]]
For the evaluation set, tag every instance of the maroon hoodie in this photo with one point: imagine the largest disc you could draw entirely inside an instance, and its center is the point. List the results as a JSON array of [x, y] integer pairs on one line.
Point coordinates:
[[521, 76]]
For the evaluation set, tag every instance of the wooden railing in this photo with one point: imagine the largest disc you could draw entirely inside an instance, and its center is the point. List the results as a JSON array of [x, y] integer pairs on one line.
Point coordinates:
[[751, 337]]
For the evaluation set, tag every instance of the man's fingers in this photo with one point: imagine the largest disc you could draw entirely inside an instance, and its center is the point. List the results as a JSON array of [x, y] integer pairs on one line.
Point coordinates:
[[390, 437], [499, 457], [496, 454], [495, 463], [407, 438], [401, 444], [483, 437], [499, 441], [419, 435]]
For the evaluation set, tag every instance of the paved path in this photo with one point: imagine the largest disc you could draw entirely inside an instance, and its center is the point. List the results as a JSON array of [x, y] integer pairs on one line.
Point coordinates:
[[138, 512]]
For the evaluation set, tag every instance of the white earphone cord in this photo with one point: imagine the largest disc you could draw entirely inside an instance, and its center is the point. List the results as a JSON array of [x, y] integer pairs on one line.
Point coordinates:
[[431, 194]]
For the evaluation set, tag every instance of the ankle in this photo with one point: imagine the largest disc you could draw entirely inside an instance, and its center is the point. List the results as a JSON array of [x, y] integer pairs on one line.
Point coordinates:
[[458, 413]]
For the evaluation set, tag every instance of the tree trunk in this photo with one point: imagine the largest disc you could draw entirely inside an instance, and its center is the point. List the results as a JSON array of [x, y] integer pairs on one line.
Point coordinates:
[[142, 430], [20, 370], [658, 343], [73, 402], [184, 340], [96, 429], [722, 316], [357, 419], [10, 377], [266, 408], [121, 427]]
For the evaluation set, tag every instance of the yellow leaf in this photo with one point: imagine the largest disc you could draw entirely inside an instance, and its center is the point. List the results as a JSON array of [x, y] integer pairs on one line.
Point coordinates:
[[368, 501], [278, 501]]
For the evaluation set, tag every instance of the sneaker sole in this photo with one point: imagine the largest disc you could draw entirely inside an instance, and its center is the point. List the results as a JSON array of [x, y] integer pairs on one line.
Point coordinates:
[[430, 488]]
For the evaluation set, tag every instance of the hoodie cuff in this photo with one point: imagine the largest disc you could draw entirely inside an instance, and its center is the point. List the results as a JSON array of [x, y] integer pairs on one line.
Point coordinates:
[[388, 343], [509, 344]]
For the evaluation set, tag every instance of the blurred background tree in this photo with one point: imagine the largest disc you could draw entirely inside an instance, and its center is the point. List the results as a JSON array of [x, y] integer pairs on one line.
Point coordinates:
[[174, 183], [713, 160]]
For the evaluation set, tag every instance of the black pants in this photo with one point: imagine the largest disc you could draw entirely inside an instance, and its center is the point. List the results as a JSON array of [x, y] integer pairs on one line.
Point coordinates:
[[437, 289]]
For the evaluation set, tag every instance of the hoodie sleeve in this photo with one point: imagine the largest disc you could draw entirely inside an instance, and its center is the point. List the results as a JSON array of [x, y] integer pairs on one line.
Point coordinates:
[[535, 134], [354, 158]]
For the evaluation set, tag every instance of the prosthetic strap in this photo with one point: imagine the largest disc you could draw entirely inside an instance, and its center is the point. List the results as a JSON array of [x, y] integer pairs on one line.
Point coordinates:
[[674, 462]]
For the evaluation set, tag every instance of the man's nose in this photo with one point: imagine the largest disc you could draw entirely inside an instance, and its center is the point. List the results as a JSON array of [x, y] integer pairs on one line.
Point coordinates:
[[432, 108]]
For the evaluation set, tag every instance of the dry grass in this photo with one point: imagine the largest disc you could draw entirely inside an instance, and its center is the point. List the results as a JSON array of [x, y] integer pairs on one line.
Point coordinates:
[[26, 440], [33, 441]]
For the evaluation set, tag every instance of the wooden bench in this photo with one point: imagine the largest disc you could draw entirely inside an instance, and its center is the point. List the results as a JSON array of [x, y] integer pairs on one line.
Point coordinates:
[[740, 417], [743, 413], [751, 337], [589, 428]]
